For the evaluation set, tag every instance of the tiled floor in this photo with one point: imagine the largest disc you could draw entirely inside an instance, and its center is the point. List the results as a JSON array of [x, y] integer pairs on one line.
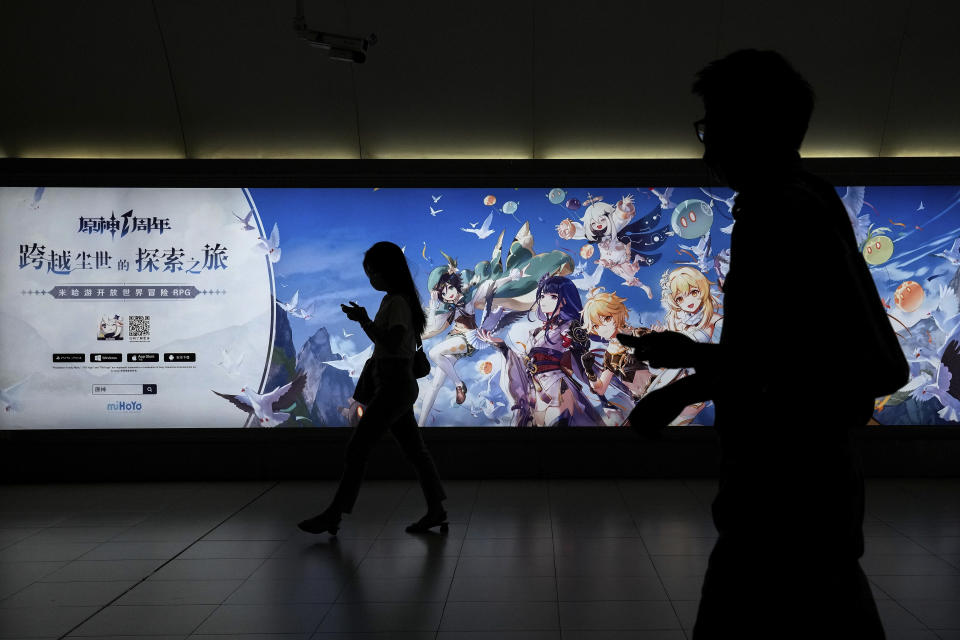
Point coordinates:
[[523, 560]]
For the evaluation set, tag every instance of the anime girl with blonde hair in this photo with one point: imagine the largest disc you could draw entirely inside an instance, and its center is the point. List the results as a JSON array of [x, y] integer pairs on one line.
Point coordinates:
[[692, 309], [605, 315], [691, 305]]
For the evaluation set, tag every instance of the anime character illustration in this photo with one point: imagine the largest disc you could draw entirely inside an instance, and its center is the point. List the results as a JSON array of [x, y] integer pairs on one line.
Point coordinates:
[[110, 328], [545, 381], [620, 241], [604, 316], [692, 309], [459, 296]]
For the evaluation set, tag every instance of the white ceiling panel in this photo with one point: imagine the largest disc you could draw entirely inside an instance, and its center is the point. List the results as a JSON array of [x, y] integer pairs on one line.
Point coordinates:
[[613, 78], [85, 79], [846, 49], [446, 79], [501, 79], [249, 88], [925, 111]]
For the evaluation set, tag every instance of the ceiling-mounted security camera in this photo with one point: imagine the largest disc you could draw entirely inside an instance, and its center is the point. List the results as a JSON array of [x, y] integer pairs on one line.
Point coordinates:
[[341, 47]]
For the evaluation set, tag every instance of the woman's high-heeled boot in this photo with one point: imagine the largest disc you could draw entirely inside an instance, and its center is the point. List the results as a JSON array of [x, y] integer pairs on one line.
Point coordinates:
[[326, 521], [436, 516]]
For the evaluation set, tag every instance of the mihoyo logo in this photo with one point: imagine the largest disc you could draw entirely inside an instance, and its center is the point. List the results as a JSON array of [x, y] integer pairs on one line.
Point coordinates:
[[124, 406]]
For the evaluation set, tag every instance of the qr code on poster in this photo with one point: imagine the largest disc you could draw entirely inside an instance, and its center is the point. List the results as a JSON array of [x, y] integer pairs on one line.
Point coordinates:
[[139, 329]]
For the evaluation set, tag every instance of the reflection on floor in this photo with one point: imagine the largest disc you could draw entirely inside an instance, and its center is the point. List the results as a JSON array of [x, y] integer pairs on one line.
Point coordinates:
[[525, 559]]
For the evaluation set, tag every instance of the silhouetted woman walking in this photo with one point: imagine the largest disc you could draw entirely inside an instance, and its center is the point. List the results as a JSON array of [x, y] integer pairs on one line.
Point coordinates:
[[394, 332]]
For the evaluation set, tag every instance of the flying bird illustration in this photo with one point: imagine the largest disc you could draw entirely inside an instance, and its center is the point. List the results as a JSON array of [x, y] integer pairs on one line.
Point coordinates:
[[37, 195], [946, 387], [230, 363], [436, 199], [352, 364], [946, 314], [701, 251], [434, 212], [271, 247], [727, 201], [588, 281], [304, 313], [268, 408], [345, 334], [483, 231], [921, 207], [953, 255], [664, 197], [245, 221], [853, 203], [292, 304], [10, 397]]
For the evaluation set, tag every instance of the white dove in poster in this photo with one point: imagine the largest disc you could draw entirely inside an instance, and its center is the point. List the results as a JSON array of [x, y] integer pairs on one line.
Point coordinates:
[[38, 194], [727, 201], [353, 364], [702, 252], [853, 203], [293, 302], [946, 387], [271, 247], [267, 408], [10, 397], [230, 363], [434, 212], [489, 407], [588, 281], [953, 255], [946, 315], [664, 197], [345, 334], [304, 313], [245, 221], [483, 231], [436, 199]]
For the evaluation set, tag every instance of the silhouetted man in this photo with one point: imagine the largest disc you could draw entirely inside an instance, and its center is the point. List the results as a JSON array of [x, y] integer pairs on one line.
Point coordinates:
[[805, 349]]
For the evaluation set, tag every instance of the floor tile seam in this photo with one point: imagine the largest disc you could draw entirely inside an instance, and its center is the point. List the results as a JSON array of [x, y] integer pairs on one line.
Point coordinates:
[[356, 568], [62, 563], [708, 506], [655, 569], [913, 540], [911, 614], [463, 540], [168, 561], [553, 536]]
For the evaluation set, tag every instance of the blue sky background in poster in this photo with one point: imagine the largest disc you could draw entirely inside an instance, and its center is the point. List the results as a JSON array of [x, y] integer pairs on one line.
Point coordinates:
[[324, 232]]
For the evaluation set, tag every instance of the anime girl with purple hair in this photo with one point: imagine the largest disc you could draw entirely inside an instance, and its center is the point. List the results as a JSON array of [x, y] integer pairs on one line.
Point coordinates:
[[545, 381]]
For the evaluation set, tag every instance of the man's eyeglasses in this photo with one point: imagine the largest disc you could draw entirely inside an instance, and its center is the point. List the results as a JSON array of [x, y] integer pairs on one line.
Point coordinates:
[[700, 127]]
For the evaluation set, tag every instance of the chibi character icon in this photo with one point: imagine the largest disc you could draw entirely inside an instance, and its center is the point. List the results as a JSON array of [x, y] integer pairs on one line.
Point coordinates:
[[110, 328], [604, 316], [622, 243], [692, 309], [545, 381], [486, 297]]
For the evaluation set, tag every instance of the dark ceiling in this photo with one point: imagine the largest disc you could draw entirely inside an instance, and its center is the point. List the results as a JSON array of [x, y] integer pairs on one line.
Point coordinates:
[[498, 79]]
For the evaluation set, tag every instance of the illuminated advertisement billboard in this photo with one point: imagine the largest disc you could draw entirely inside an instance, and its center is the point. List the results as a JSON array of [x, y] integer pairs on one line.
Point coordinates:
[[171, 307]]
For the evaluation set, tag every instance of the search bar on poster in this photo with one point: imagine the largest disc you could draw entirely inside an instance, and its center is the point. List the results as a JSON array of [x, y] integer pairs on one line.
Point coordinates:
[[124, 389]]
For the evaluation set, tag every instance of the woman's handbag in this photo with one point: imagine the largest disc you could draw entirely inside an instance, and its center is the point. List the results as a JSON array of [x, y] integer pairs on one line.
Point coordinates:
[[364, 390], [365, 384]]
